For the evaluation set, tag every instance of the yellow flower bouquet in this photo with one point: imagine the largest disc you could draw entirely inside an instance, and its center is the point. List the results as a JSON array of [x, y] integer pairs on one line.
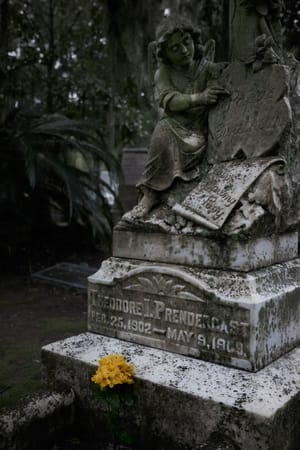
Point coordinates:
[[113, 370]]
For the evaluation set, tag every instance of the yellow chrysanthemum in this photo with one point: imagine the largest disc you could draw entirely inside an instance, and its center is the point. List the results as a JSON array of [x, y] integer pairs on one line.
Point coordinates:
[[112, 370]]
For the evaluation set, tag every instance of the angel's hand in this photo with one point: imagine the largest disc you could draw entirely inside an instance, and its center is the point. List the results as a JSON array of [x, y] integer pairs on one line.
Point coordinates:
[[210, 95]]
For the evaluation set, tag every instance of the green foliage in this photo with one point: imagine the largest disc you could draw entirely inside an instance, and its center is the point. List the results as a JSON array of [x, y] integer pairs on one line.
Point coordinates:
[[292, 15], [56, 56], [81, 61], [116, 397], [40, 182], [292, 26], [122, 393]]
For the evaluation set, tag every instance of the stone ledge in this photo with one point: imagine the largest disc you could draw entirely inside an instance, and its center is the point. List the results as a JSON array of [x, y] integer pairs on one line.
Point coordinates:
[[37, 422], [184, 400], [197, 251]]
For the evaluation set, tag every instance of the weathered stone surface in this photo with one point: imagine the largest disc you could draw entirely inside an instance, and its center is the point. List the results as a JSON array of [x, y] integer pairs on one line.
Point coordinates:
[[255, 119], [184, 401], [192, 250], [297, 114], [240, 320]]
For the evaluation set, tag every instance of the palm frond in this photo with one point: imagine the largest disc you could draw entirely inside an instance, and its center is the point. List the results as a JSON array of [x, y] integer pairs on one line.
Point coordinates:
[[39, 150]]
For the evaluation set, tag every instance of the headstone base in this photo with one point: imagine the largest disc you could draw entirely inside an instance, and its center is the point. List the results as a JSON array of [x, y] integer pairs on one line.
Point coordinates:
[[180, 402], [232, 318], [188, 249]]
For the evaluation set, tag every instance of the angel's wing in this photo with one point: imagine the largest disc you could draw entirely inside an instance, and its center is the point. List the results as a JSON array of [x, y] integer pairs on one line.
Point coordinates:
[[152, 68], [152, 61], [209, 50]]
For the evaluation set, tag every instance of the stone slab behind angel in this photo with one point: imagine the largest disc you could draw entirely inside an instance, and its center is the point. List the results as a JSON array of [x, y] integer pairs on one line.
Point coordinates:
[[213, 114]]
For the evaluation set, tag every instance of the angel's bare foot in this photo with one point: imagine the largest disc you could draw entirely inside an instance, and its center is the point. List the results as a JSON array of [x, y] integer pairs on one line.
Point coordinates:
[[149, 200]]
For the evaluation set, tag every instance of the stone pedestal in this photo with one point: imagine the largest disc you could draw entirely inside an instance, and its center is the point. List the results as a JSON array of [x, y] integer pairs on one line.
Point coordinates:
[[180, 403], [242, 320]]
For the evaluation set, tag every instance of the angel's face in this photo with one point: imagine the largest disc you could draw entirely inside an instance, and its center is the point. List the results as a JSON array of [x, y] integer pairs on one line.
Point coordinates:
[[180, 49]]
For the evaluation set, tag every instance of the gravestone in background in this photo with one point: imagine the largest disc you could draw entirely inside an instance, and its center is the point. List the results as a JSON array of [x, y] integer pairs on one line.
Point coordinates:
[[133, 162]]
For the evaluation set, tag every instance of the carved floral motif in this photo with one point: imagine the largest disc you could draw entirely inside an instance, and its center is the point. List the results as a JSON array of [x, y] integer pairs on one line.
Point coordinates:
[[161, 285], [264, 52]]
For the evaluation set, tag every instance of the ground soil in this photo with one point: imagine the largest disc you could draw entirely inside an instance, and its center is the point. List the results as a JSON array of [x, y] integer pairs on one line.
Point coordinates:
[[33, 315]]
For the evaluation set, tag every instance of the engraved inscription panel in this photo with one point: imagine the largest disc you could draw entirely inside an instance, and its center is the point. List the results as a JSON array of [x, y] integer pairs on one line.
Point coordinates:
[[216, 195], [184, 324]]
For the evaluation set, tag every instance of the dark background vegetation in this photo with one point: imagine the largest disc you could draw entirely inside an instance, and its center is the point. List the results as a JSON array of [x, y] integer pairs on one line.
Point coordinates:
[[73, 92]]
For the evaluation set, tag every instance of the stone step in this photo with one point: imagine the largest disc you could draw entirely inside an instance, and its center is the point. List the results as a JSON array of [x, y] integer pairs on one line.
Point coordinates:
[[37, 421], [183, 401]]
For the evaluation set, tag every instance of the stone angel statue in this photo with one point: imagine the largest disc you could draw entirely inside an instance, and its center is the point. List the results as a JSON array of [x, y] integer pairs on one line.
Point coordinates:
[[185, 87]]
